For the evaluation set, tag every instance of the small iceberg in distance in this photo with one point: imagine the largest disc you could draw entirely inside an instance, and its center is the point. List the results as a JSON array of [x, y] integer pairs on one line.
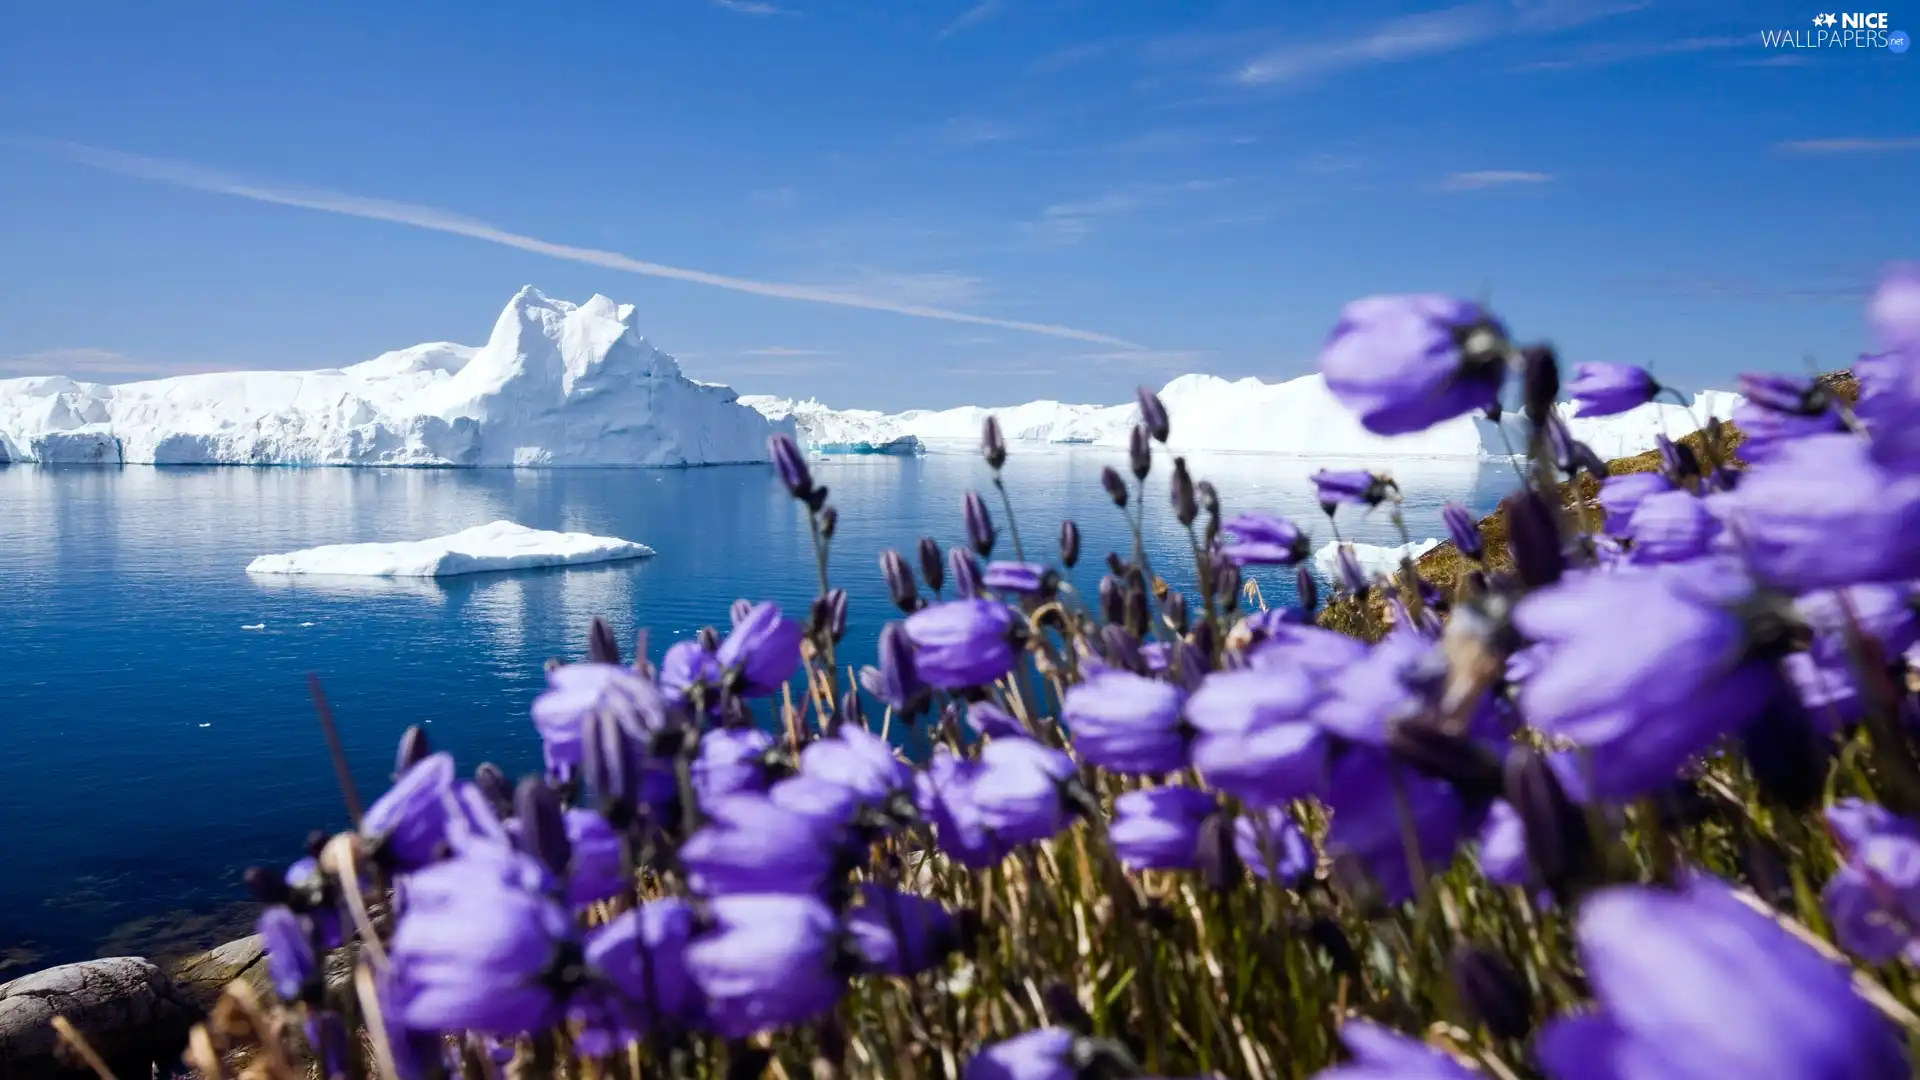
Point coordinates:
[[904, 446], [1375, 561], [501, 545]]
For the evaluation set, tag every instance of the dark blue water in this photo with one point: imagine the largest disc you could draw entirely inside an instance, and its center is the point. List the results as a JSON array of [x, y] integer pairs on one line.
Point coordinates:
[[157, 745]]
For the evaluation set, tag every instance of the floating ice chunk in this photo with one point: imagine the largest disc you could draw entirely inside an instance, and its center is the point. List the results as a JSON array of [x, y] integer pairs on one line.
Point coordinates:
[[1374, 560], [253, 626], [501, 545]]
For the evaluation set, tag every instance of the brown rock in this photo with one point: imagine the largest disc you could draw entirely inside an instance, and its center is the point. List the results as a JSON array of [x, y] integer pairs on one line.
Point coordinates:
[[202, 976], [128, 1009]]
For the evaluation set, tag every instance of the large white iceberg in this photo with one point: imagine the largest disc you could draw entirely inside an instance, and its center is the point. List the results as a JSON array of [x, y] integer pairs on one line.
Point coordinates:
[[556, 384], [1298, 417], [501, 545], [1373, 560]]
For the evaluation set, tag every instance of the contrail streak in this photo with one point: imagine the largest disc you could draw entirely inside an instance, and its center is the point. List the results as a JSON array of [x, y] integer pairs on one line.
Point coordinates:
[[198, 178]]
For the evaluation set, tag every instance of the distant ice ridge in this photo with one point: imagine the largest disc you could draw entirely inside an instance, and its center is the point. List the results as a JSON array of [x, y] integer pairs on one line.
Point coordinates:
[[556, 384], [501, 545], [834, 431], [1374, 560], [1296, 417]]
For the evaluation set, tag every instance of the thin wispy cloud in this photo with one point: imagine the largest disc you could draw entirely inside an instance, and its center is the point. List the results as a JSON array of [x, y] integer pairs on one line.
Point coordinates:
[[966, 131], [1424, 34], [973, 16], [1150, 359], [1607, 54], [780, 198], [198, 178], [1066, 223], [1850, 146], [1070, 57], [1490, 178], [752, 7], [784, 350], [1178, 142]]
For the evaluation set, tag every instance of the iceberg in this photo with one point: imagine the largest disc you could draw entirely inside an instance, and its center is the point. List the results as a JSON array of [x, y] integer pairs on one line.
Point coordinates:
[[501, 545], [1298, 417], [1375, 561], [556, 384]]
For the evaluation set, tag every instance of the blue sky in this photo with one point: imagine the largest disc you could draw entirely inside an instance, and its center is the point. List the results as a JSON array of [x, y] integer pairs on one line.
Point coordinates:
[[1125, 190]]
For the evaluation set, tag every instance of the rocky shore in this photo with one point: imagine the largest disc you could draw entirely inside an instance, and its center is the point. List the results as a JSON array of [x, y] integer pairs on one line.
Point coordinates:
[[135, 1012]]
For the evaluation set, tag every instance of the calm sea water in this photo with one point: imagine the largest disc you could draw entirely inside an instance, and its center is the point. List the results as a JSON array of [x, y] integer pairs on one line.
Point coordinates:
[[153, 696]]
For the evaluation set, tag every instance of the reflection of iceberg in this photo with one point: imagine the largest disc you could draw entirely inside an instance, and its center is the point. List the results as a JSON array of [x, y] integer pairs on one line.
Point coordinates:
[[501, 545]]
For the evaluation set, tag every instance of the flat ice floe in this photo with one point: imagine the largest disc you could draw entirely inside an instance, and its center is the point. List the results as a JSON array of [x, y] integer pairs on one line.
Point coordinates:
[[501, 545], [1375, 561]]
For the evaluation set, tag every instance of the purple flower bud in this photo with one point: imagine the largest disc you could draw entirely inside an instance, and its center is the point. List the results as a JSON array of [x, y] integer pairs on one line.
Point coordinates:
[[1261, 539], [1153, 414], [1539, 382], [1116, 487], [1045, 1054], [1405, 363], [1217, 856], [1064, 1008], [1784, 394], [1127, 723], [1533, 538], [494, 784], [596, 869], [413, 749], [1069, 544], [1020, 790], [1677, 459], [643, 954], [1610, 389], [1464, 530], [1226, 585], [738, 611], [932, 567], [1024, 579], [1113, 600], [763, 651], [980, 531], [900, 584], [543, 826], [1122, 649], [768, 961], [751, 844], [993, 445], [901, 934], [1186, 506], [816, 499], [829, 522], [1352, 578], [966, 573], [896, 681], [1159, 828], [1356, 487], [1272, 845], [837, 614], [291, 962], [408, 825], [964, 643], [332, 1047], [610, 762], [601, 647], [1174, 607], [790, 464], [1559, 841], [1139, 452], [687, 665], [1787, 754], [1309, 588]]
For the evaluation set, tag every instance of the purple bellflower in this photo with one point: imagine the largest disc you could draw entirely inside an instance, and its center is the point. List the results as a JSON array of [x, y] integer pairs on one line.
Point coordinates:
[[688, 664], [898, 933], [577, 691], [964, 643], [825, 801], [1043, 1054], [1621, 495], [1127, 723], [896, 681], [1375, 801], [1024, 579], [291, 962], [1609, 389], [990, 719], [1694, 984], [749, 844], [1874, 899], [1405, 363], [943, 793], [763, 649], [642, 955], [730, 761], [1792, 511], [1273, 846], [1894, 311], [597, 869], [1019, 790], [1354, 487], [407, 826], [768, 961], [1159, 828], [858, 760], [1255, 738], [477, 951], [1464, 530], [1672, 526]]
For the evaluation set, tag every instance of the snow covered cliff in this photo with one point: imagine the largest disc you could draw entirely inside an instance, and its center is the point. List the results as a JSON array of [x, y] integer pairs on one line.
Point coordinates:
[[1209, 413], [557, 384]]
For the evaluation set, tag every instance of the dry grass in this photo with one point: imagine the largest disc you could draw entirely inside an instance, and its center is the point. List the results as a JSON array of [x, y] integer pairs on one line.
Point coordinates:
[[1445, 567]]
